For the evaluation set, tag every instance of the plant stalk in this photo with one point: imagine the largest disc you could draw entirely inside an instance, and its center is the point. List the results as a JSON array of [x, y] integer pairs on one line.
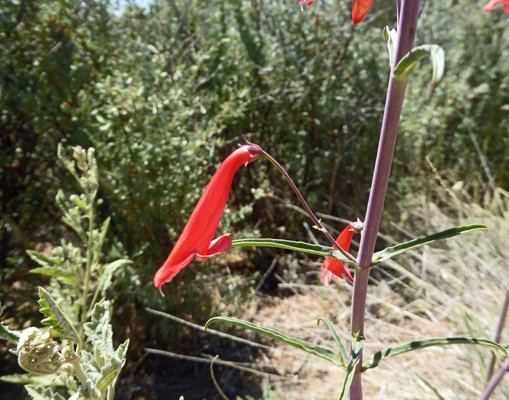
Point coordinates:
[[498, 334], [407, 25]]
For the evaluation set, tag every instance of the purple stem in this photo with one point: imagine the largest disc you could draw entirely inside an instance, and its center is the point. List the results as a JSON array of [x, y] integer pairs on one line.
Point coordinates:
[[498, 333], [490, 388], [407, 25], [317, 222]]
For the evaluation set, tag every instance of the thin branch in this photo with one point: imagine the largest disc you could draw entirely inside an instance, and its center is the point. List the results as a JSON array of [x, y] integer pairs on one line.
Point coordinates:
[[214, 379]]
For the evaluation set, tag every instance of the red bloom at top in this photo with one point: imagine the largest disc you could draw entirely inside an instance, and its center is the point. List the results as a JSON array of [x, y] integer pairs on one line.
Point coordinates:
[[333, 267], [196, 239], [493, 3], [308, 3], [359, 9]]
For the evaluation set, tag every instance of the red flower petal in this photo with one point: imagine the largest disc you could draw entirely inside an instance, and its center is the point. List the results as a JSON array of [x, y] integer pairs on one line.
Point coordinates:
[[493, 3], [359, 9], [331, 266], [202, 225]]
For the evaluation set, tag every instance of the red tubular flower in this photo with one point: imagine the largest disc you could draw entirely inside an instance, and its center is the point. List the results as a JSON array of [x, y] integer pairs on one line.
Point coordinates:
[[359, 9], [333, 267], [493, 3], [196, 239]]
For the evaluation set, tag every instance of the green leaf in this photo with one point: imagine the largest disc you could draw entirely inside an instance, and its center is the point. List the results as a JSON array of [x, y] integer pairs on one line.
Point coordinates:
[[318, 351], [56, 318], [6, 333], [421, 344], [39, 380], [41, 393], [60, 275], [390, 34], [107, 275], [303, 247], [390, 252], [99, 239], [112, 368], [407, 64], [98, 330], [342, 350], [355, 357]]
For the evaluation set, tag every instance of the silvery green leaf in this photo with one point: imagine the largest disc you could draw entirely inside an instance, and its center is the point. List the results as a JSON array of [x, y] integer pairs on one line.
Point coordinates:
[[42, 393], [98, 330], [32, 379], [107, 275], [56, 318]]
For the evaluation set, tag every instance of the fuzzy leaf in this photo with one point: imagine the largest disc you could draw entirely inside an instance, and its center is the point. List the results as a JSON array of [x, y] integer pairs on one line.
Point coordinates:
[[316, 350], [407, 64], [56, 318], [7, 334], [99, 239], [112, 368], [98, 330], [390, 252], [60, 275], [355, 357], [303, 247], [33, 379], [107, 275], [41, 393], [421, 344]]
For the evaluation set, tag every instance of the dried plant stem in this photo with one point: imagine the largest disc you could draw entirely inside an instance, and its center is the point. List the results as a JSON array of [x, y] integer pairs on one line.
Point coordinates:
[[407, 25]]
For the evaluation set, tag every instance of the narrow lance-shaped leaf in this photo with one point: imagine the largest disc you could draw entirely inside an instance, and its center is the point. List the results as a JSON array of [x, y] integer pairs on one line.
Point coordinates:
[[390, 252], [408, 63], [56, 318], [421, 344], [303, 247], [355, 357], [310, 348], [342, 350]]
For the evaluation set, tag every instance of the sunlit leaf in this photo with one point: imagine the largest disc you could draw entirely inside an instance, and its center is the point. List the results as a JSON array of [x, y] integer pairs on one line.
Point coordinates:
[[355, 357], [372, 362], [390, 252], [303, 247], [310, 348], [407, 64], [56, 318]]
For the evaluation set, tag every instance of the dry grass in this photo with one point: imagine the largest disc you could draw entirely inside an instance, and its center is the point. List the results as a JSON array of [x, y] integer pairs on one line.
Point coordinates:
[[454, 288]]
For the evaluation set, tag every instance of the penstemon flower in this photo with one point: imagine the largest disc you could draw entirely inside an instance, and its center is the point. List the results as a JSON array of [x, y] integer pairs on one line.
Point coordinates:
[[308, 3], [196, 239], [359, 9], [493, 3], [333, 267]]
